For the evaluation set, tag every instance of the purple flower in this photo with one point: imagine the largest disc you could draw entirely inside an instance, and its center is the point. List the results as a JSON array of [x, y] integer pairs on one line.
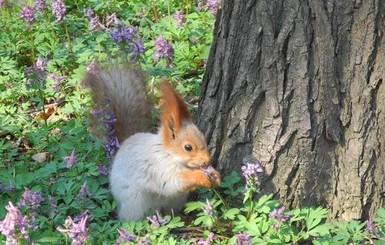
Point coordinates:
[[127, 38], [27, 14], [279, 216], [112, 20], [207, 241], [250, 171], [157, 219], [58, 80], [40, 64], [179, 18], [89, 12], [137, 48], [39, 5], [58, 9], [77, 231], [84, 192], [30, 199], [92, 67], [14, 225], [36, 72], [200, 5], [144, 241], [95, 23], [113, 144], [80, 216], [213, 6], [209, 209], [124, 236], [163, 49], [369, 225], [123, 33], [208, 171], [108, 117], [9, 188], [103, 170], [70, 160], [243, 238], [51, 202]]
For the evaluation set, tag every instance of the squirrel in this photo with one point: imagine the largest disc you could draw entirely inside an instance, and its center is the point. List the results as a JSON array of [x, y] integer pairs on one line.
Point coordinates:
[[150, 171]]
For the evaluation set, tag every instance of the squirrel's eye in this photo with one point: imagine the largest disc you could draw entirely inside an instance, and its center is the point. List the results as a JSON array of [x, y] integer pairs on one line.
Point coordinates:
[[188, 147]]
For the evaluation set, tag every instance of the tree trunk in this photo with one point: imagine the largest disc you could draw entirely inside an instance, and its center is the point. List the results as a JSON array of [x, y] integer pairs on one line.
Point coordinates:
[[299, 85]]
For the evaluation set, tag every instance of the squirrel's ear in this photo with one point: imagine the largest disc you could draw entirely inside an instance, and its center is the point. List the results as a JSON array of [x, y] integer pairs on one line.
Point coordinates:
[[174, 111]]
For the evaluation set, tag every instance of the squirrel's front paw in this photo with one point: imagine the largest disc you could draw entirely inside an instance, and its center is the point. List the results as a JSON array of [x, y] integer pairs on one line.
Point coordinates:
[[207, 177], [213, 175]]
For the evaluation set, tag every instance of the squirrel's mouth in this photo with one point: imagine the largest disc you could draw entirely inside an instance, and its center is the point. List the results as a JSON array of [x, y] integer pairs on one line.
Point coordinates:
[[194, 166]]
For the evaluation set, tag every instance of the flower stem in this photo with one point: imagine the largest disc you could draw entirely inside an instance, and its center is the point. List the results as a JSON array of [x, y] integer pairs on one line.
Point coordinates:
[[221, 198]]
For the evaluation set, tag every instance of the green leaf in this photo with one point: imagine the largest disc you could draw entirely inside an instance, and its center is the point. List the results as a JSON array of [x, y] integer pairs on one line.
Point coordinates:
[[49, 239], [231, 213], [320, 230], [193, 206], [314, 217]]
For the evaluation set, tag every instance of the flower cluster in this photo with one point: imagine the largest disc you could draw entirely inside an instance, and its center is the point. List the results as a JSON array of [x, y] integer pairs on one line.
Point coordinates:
[[84, 192], [36, 72], [30, 199], [58, 9], [157, 219], [103, 170], [77, 231], [243, 238], [211, 5], [71, 159], [39, 5], [27, 14], [57, 81], [208, 209], [179, 18], [279, 216], [108, 117], [163, 49], [15, 225], [95, 24], [92, 67], [250, 171], [112, 20], [209, 171], [7, 188], [3, 3], [127, 38], [124, 236], [207, 241]]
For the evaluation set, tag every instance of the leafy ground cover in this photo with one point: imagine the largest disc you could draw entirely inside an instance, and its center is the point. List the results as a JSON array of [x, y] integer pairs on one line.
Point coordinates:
[[53, 178]]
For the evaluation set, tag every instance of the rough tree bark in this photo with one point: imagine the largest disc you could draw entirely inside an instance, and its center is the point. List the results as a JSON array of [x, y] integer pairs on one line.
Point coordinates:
[[299, 85]]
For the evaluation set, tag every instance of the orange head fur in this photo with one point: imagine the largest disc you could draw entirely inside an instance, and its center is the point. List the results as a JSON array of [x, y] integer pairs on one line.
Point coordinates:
[[180, 135]]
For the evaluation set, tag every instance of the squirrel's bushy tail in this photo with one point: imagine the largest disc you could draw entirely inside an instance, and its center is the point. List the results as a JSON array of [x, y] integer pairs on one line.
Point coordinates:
[[121, 90]]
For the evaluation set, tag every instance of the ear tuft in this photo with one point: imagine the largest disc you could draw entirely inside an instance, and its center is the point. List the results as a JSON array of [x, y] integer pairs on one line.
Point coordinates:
[[174, 111]]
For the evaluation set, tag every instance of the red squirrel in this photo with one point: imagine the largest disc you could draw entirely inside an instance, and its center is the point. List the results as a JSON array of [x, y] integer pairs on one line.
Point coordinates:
[[150, 171]]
